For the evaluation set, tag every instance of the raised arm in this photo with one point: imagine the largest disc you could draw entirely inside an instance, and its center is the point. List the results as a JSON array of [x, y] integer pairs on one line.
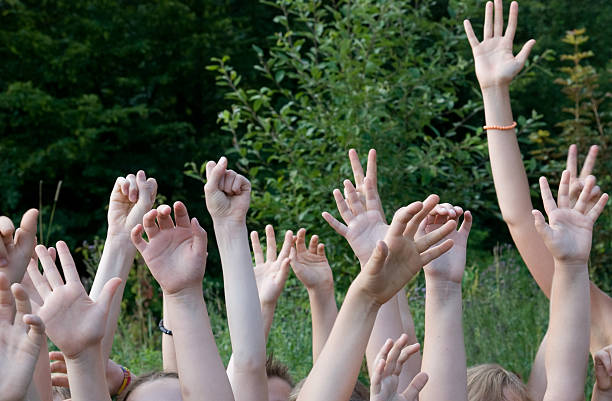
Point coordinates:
[[130, 199], [365, 224], [17, 247], [176, 256], [393, 263], [311, 267], [271, 273], [568, 237], [74, 322], [228, 195], [21, 337], [444, 352]]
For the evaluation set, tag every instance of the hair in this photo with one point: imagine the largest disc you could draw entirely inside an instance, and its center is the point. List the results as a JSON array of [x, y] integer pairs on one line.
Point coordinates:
[[61, 393], [360, 392], [489, 382], [275, 368], [146, 378]]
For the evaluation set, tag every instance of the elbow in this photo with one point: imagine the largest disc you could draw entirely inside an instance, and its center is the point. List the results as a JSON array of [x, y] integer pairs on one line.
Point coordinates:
[[246, 362], [514, 220]]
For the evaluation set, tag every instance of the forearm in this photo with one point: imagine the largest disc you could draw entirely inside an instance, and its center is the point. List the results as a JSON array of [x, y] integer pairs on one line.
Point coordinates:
[[568, 345], [42, 374], [33, 394], [116, 261], [537, 377], [199, 364], [87, 376], [248, 367], [267, 316], [413, 365], [444, 350], [168, 353], [388, 324], [324, 311], [333, 376]]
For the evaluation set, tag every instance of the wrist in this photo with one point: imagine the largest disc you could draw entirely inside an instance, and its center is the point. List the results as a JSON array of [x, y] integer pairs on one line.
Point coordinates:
[[495, 89], [571, 266], [321, 290], [359, 291], [187, 295], [228, 223], [441, 287], [87, 357]]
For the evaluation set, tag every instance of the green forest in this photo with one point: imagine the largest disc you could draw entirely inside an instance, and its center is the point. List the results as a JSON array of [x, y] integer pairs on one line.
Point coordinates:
[[95, 89]]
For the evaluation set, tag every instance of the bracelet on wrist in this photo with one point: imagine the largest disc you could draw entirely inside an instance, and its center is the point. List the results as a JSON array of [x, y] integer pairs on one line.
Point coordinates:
[[127, 379], [500, 127], [163, 329]]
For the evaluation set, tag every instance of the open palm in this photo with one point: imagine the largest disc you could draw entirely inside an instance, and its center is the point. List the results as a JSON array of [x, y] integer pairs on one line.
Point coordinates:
[[310, 264]]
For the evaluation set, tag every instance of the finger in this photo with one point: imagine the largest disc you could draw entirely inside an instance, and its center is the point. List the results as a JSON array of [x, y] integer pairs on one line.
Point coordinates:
[[384, 350], [402, 217], [60, 381], [200, 238], [583, 200], [124, 187], [541, 227], [7, 231], [164, 221], [345, 211], [53, 254], [22, 302], [133, 191], [547, 198], [596, 210], [356, 167], [284, 253], [589, 162], [68, 266], [488, 24], [147, 188], [563, 195], [602, 366], [283, 273], [58, 367], [3, 255], [137, 240], [6, 300], [40, 282], [469, 31], [152, 189], [572, 160], [335, 224], [37, 328], [394, 354], [466, 226], [498, 26], [378, 257], [214, 173], [149, 225], [257, 252], [108, 292], [371, 169], [230, 177], [270, 244], [181, 216], [512, 21], [372, 198], [435, 236], [29, 285], [314, 243], [56, 356], [436, 251], [428, 205], [406, 353], [521, 57], [353, 198], [300, 243], [321, 250], [242, 184], [53, 277], [375, 382], [25, 237], [415, 386]]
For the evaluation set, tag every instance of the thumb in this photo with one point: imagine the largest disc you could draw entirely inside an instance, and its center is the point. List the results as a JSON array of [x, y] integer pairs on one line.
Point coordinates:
[[521, 58], [108, 292], [282, 275], [416, 385], [200, 240], [378, 258], [541, 227]]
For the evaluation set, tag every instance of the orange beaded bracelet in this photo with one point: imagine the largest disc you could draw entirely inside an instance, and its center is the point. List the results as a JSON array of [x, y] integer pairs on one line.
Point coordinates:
[[500, 127]]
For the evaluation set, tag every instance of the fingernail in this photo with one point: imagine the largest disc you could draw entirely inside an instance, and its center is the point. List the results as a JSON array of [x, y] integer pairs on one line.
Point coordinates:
[[3, 262]]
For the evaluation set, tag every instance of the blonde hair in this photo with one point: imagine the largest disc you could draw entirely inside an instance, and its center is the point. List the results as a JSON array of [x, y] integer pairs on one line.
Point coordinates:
[[491, 382]]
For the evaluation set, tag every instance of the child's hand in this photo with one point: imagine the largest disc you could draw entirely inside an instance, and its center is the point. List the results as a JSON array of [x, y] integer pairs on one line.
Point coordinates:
[[399, 257], [74, 322], [365, 225], [131, 198], [271, 274], [310, 264], [114, 373], [568, 235], [19, 348], [17, 247], [449, 266], [227, 193], [389, 363], [495, 64], [577, 181], [603, 370], [175, 254]]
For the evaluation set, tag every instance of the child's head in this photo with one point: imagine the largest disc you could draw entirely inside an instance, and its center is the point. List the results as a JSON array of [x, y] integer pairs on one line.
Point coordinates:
[[491, 382], [280, 382], [154, 386]]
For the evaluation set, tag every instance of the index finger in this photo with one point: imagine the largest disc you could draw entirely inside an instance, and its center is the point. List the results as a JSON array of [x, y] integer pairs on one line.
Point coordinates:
[[572, 160], [589, 162], [270, 244], [356, 166]]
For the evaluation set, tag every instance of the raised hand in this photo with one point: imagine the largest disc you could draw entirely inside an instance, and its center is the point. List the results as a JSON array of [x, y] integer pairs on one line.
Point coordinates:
[[227, 193], [361, 209], [603, 373], [385, 378], [272, 273], [577, 181], [495, 64], [19, 347], [114, 373], [131, 198], [400, 257], [450, 265], [17, 247], [175, 253], [568, 234], [310, 264], [74, 322]]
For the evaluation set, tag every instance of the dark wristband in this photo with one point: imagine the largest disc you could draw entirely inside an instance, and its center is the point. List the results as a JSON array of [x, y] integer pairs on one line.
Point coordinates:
[[164, 329]]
